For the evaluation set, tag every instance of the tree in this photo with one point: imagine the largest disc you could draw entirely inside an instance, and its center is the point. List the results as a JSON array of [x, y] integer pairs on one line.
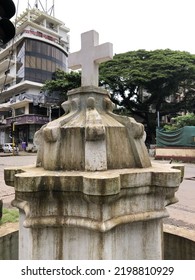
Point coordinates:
[[143, 82], [62, 82]]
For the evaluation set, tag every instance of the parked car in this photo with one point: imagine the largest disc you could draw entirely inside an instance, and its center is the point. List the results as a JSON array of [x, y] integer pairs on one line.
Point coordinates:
[[31, 148], [8, 148]]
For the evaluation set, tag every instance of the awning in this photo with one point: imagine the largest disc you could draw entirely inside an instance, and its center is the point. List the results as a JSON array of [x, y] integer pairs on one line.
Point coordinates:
[[19, 103]]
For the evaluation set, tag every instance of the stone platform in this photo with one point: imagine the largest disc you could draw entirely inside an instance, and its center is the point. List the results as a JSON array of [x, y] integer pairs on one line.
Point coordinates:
[[85, 209]]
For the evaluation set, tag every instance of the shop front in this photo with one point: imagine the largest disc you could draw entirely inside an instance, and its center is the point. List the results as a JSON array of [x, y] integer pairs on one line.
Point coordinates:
[[21, 129]]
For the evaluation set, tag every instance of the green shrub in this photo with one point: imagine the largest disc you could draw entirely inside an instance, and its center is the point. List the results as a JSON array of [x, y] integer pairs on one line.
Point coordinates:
[[181, 121], [9, 216]]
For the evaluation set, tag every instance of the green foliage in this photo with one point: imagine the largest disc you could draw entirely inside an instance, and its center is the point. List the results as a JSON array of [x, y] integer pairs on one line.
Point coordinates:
[[160, 72], [141, 81], [181, 121], [63, 82], [9, 216], [170, 127]]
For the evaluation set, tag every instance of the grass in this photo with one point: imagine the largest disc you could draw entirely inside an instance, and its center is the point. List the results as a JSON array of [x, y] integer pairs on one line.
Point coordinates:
[[9, 216]]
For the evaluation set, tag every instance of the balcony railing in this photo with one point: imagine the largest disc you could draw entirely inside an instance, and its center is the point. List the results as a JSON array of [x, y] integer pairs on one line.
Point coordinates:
[[28, 119]]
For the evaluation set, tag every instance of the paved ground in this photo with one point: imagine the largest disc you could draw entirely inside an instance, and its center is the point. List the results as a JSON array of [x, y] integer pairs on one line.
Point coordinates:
[[182, 214], [7, 192]]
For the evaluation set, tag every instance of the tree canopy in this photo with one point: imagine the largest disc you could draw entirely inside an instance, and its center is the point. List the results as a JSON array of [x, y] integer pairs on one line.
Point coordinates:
[[63, 82], [147, 82], [144, 83]]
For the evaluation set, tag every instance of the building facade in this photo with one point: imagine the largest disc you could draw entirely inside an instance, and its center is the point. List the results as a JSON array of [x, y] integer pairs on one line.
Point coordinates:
[[40, 47]]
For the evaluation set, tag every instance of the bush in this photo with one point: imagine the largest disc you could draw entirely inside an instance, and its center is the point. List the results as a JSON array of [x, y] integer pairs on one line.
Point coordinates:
[[181, 121], [9, 216]]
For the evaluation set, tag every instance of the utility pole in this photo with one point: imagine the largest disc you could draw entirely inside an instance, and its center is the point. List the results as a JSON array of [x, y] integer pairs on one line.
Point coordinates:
[[13, 137]]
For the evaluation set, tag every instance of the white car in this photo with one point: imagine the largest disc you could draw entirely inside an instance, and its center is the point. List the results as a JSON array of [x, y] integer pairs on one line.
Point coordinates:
[[8, 148]]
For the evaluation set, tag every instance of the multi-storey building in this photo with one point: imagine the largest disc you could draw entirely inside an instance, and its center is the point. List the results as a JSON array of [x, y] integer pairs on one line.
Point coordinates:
[[39, 48]]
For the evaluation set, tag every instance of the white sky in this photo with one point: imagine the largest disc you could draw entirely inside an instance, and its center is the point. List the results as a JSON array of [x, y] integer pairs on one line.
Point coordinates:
[[128, 24]]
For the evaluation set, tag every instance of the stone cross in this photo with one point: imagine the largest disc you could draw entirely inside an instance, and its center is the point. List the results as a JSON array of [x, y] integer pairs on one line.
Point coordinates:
[[89, 58]]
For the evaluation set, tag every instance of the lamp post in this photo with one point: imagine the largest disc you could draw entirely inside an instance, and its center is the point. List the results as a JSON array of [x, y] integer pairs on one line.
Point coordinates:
[[158, 119], [1, 208], [13, 136]]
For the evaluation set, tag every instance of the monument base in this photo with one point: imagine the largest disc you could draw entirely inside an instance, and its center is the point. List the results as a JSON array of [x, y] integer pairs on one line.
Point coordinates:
[[114, 214], [131, 241]]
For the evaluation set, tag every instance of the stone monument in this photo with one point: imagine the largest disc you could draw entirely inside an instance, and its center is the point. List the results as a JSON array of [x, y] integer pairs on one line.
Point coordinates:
[[93, 193]]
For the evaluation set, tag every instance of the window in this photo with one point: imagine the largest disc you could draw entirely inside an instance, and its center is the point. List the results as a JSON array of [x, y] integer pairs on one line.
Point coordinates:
[[20, 62], [43, 57], [20, 111]]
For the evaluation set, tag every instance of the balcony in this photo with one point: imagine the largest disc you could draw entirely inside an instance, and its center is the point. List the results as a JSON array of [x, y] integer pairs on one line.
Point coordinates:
[[6, 63], [28, 119], [6, 78]]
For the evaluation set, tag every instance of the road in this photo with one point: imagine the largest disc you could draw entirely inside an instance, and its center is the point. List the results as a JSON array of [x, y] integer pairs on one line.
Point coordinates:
[[182, 213], [7, 192]]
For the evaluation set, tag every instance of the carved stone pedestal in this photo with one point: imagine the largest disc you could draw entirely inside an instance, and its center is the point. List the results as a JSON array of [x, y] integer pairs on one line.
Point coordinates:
[[93, 193]]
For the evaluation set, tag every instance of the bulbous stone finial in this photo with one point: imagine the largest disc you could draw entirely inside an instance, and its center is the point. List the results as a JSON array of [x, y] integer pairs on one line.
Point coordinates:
[[90, 136]]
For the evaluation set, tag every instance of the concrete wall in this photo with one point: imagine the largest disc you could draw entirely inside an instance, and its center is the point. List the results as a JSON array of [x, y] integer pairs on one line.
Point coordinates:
[[177, 153], [9, 242], [179, 244]]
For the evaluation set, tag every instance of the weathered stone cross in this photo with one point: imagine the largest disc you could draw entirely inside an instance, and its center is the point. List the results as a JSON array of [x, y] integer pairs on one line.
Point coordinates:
[[89, 58]]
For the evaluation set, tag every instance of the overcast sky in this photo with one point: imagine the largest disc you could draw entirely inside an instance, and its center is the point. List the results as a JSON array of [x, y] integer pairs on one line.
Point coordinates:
[[128, 24]]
